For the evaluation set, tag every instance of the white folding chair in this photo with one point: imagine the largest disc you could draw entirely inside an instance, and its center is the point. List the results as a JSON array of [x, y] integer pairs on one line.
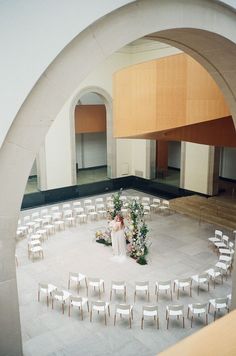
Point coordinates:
[[175, 311], [96, 283], [150, 311], [77, 278], [163, 286], [201, 279], [183, 283], [217, 304], [118, 286], [197, 309], [60, 296], [78, 302], [46, 289], [142, 287], [100, 306], [124, 310]]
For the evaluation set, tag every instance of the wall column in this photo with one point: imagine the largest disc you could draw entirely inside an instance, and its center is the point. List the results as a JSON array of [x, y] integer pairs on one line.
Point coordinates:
[[199, 168], [162, 157], [55, 156]]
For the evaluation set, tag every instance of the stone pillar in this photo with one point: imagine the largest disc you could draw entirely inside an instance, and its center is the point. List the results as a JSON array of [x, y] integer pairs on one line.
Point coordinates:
[[56, 165], [199, 168], [162, 157]]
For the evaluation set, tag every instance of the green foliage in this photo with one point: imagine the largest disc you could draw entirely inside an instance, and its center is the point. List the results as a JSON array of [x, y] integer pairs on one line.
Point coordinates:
[[142, 260]]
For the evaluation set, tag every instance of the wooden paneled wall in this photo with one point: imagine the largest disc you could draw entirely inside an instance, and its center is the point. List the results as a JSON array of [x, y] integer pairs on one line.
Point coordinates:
[[90, 118], [164, 94]]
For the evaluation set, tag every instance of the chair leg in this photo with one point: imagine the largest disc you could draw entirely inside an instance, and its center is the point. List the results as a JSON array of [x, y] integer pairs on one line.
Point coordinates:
[[114, 319], [183, 322], [110, 294], [192, 321], [167, 326], [158, 326], [142, 322], [105, 319], [130, 322], [206, 319], [214, 315], [82, 314], [91, 315], [38, 296]]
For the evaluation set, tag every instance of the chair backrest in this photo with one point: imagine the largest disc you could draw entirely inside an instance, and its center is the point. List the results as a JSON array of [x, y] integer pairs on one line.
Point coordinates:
[[142, 284], [100, 206], [117, 283], [165, 202], [93, 280], [123, 307], [57, 216], [200, 306], [76, 299], [164, 283], [76, 204], [150, 308], [146, 199], [231, 245], [98, 200], [98, 303], [68, 213], [87, 202], [176, 307], [185, 280], [90, 208], [218, 233], [73, 274], [66, 206], [203, 275], [55, 208], [58, 293], [156, 201], [221, 301], [43, 286]]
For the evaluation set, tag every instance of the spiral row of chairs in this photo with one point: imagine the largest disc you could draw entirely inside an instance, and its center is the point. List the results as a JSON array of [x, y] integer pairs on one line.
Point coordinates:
[[38, 226], [65, 297]]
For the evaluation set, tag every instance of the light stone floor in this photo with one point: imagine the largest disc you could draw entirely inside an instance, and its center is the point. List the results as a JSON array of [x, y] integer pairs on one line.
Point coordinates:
[[179, 248]]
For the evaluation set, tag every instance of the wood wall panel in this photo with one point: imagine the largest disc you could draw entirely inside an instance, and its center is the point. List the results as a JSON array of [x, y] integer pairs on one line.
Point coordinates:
[[90, 118], [167, 93], [220, 132]]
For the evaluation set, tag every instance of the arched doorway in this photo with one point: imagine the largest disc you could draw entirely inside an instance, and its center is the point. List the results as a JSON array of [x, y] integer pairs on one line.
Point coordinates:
[[185, 27]]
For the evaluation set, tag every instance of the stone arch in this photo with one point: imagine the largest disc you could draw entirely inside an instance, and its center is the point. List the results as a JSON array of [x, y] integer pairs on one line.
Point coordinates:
[[111, 143], [192, 26]]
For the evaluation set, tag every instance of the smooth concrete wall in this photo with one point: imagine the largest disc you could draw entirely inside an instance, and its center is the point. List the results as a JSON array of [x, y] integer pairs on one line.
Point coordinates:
[[91, 150], [228, 163], [174, 154], [196, 167], [58, 160]]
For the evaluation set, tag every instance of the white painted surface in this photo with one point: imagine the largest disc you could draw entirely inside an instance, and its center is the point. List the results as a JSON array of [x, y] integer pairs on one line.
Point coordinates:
[[33, 171], [91, 150], [196, 167], [228, 163], [32, 33], [174, 154], [58, 154]]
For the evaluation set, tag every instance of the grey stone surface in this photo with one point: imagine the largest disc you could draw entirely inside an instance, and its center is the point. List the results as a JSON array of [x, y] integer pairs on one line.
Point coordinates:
[[179, 248]]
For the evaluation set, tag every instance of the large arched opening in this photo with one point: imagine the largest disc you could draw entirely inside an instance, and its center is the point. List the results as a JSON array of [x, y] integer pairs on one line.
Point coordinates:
[[193, 28]]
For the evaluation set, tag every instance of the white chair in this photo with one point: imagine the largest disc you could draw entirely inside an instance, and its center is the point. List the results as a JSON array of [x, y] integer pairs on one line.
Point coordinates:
[[118, 286], [214, 274], [58, 221], [217, 237], [66, 206], [156, 202], [124, 310], [197, 309], [175, 311], [224, 267], [35, 248], [76, 204], [147, 211], [218, 304], [183, 283], [142, 287], [46, 289], [77, 278], [100, 306], [223, 243], [69, 218], [165, 206], [55, 209], [96, 283], [87, 202], [145, 201], [150, 311], [60, 296], [91, 211], [200, 279], [163, 286], [101, 211], [78, 302], [99, 201]]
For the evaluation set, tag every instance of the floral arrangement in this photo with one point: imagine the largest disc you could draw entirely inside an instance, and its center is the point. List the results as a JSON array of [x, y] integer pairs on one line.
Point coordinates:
[[135, 232], [103, 237], [138, 227]]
